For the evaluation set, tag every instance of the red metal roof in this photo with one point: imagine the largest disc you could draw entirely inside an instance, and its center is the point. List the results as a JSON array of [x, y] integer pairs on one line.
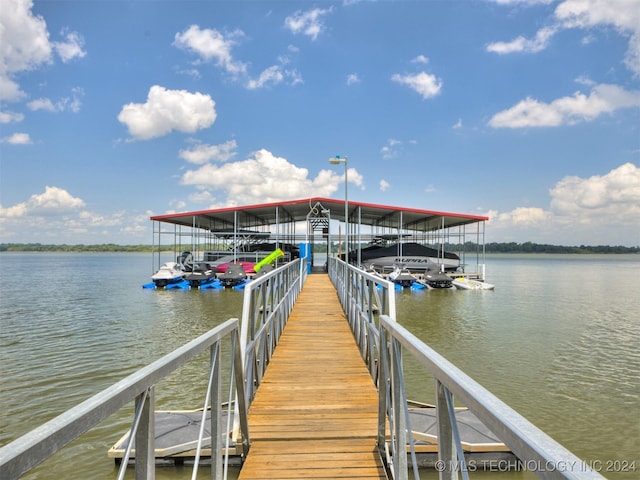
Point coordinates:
[[267, 214]]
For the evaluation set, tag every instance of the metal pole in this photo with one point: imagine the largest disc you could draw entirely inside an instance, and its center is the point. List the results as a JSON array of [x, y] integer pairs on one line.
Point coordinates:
[[335, 161], [346, 208]]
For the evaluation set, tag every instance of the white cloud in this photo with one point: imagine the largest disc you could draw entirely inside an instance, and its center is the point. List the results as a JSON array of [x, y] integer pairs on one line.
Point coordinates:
[[458, 124], [521, 44], [275, 75], [24, 45], [71, 48], [203, 197], [168, 110], [17, 139], [308, 23], [420, 59], [352, 79], [599, 210], [603, 98], [265, 177], [190, 72], [623, 15], [425, 84], [201, 154], [523, 2], [67, 221], [72, 103], [41, 104], [614, 196], [92, 219], [389, 150], [10, 117], [270, 76], [53, 201], [526, 216], [384, 185], [211, 45]]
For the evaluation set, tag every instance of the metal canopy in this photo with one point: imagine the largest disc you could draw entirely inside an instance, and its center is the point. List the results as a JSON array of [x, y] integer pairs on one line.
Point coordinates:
[[264, 215]]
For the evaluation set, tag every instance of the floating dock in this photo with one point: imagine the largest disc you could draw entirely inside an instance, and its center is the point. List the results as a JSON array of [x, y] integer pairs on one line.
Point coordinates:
[[315, 414]]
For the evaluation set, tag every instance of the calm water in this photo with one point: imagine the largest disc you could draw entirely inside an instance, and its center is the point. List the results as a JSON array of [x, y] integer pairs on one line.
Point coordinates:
[[558, 340]]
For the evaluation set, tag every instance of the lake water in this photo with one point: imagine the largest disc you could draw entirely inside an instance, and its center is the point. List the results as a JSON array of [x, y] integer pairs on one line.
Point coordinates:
[[558, 340]]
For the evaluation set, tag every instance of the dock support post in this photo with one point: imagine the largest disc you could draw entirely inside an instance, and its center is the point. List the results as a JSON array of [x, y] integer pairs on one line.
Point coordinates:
[[145, 436]]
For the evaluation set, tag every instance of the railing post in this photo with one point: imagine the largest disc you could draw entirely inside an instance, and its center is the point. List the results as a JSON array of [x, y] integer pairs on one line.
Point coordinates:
[[145, 436], [215, 427], [241, 407], [383, 375], [446, 445], [398, 402]]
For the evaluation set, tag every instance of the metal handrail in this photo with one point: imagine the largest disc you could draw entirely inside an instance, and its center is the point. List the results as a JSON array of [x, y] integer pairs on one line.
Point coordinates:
[[382, 340], [536, 451], [26, 452], [363, 296], [268, 301]]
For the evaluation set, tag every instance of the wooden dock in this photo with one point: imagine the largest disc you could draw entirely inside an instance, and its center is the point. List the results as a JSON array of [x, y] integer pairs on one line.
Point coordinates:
[[315, 413]]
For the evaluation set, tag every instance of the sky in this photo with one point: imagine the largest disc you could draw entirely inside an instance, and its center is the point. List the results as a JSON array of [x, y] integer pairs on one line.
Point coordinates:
[[526, 111]]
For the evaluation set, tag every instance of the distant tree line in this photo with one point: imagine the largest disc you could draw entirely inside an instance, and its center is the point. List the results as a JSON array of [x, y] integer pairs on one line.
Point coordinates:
[[105, 247], [493, 247], [530, 247]]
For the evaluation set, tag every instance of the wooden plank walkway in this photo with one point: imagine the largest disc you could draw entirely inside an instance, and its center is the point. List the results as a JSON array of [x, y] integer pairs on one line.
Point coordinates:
[[315, 413]]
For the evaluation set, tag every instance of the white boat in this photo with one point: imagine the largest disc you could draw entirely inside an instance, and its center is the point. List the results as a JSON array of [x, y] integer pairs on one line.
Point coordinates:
[[173, 272], [469, 284], [170, 272]]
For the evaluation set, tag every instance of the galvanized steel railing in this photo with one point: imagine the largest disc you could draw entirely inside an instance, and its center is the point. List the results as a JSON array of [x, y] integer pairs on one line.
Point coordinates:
[[268, 301], [382, 342], [363, 297], [536, 451], [28, 451]]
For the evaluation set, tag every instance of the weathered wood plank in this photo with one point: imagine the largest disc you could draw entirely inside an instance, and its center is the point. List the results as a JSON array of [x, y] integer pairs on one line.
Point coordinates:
[[315, 412]]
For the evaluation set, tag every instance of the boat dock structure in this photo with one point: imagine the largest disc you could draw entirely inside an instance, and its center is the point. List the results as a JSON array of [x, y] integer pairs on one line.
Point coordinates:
[[309, 383]]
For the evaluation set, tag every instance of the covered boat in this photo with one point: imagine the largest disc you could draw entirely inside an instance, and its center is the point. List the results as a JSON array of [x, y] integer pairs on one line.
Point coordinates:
[[414, 256], [402, 276], [435, 278], [200, 276], [233, 275]]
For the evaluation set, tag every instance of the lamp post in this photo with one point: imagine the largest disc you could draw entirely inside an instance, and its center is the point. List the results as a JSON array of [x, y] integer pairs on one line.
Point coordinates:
[[336, 161]]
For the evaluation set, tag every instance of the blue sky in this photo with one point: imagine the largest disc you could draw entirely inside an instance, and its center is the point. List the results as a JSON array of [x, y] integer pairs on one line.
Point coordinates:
[[527, 111]]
